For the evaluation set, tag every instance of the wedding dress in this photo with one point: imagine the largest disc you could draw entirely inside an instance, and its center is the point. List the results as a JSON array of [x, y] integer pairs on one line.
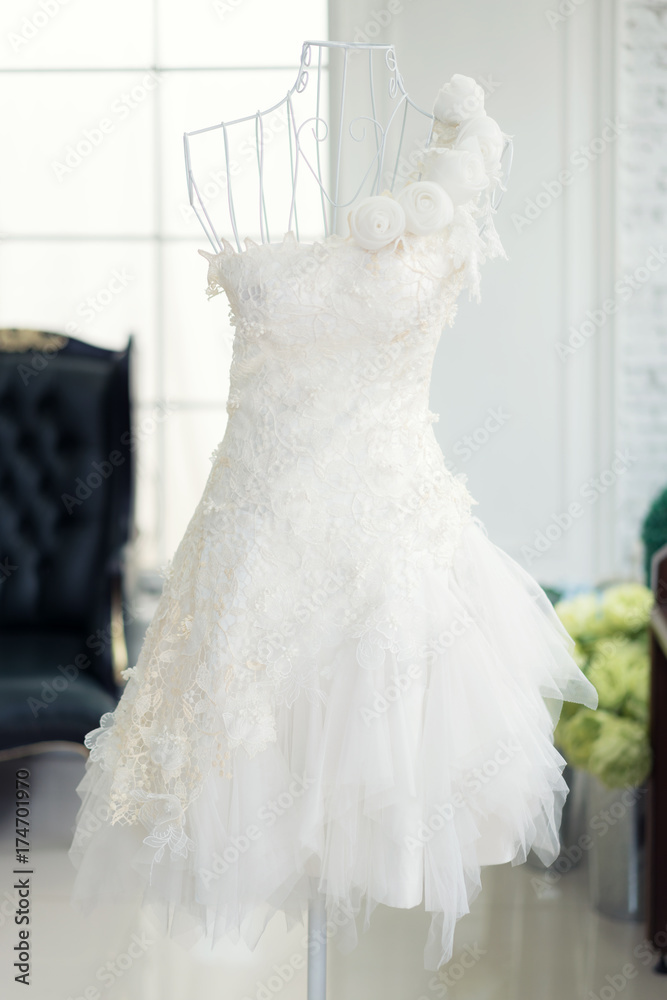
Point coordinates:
[[346, 685]]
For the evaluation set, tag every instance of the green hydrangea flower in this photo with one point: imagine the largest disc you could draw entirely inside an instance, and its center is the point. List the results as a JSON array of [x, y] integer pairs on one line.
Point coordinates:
[[621, 754], [580, 655], [612, 648], [619, 669], [626, 607], [576, 735], [637, 701], [581, 616]]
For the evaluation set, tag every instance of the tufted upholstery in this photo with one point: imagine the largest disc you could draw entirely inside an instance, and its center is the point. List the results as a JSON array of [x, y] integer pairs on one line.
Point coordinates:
[[66, 480]]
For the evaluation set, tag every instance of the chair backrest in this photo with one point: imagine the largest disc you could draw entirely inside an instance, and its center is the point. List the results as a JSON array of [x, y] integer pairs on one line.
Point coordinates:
[[66, 479]]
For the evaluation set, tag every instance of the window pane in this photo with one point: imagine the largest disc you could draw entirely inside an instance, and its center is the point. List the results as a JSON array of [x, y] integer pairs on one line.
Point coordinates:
[[197, 100], [99, 237], [191, 437], [237, 32], [147, 548], [197, 334], [192, 101], [99, 292], [55, 33], [83, 157]]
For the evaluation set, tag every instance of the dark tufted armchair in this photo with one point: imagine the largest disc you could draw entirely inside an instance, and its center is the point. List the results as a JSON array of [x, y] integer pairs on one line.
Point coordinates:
[[66, 496]]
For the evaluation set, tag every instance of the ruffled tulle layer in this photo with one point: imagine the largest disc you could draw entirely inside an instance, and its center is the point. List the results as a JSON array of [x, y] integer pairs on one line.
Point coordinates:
[[398, 788]]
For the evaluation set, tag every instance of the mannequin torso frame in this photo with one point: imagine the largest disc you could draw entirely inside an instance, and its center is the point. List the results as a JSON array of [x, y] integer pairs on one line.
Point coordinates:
[[323, 167]]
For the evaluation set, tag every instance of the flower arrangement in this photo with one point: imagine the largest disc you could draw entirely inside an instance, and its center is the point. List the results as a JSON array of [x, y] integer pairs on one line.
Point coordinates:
[[461, 164], [610, 629]]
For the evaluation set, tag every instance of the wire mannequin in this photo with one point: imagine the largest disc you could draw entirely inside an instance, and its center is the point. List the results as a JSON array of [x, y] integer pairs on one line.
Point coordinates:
[[289, 169]]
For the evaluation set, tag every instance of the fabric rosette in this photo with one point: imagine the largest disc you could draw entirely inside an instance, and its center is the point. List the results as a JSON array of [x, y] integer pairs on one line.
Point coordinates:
[[427, 206], [459, 100], [460, 172], [461, 163], [377, 221], [482, 135]]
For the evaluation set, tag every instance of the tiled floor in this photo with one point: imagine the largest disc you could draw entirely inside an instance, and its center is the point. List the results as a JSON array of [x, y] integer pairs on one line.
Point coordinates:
[[520, 942]]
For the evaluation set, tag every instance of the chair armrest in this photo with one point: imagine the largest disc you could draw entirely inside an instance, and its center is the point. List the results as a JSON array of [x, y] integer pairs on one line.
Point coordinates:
[[119, 657]]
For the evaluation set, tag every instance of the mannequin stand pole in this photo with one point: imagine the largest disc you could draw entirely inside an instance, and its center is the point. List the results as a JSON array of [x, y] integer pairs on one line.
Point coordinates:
[[317, 949]]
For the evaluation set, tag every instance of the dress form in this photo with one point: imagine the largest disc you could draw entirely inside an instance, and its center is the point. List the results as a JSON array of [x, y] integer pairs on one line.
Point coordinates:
[[288, 168]]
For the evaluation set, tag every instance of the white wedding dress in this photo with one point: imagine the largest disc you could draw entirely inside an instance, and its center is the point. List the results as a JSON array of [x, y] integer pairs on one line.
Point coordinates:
[[346, 684]]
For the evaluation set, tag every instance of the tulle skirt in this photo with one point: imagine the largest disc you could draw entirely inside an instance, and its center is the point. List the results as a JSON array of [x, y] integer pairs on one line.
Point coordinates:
[[397, 788]]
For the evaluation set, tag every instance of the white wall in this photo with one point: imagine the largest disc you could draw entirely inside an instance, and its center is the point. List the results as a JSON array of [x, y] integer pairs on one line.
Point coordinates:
[[642, 214], [551, 79]]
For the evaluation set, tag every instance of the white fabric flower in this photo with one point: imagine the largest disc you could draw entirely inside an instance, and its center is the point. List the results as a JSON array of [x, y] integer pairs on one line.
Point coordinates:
[[460, 172], [376, 221], [490, 140], [427, 206], [460, 99]]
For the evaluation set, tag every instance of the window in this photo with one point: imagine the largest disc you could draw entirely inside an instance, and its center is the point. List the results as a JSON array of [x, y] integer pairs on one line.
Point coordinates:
[[98, 239]]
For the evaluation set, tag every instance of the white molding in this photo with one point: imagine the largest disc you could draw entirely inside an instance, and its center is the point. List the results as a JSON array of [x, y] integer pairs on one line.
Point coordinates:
[[589, 240]]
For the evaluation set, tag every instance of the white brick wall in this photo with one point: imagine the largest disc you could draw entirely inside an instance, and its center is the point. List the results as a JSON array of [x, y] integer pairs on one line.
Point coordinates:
[[641, 349]]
